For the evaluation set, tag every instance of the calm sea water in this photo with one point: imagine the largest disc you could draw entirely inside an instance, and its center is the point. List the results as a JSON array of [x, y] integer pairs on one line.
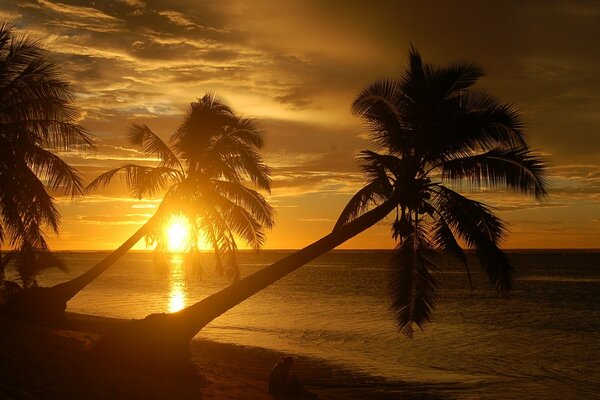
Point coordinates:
[[542, 342]]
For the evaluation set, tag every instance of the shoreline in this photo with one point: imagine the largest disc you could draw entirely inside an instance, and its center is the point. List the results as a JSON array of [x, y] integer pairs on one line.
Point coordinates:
[[42, 363]]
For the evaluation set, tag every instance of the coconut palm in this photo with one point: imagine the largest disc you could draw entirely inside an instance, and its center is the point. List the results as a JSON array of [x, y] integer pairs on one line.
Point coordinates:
[[204, 171], [436, 133], [432, 129], [36, 118]]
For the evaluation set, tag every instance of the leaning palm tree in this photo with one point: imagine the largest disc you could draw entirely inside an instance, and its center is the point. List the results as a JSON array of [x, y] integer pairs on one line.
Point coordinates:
[[436, 134], [204, 173], [36, 118], [433, 130]]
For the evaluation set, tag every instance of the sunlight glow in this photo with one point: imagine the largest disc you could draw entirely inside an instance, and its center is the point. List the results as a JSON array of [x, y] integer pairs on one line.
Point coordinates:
[[177, 233], [177, 292]]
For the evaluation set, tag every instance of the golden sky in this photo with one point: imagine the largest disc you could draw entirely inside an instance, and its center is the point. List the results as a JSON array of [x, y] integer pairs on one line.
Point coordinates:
[[297, 66]]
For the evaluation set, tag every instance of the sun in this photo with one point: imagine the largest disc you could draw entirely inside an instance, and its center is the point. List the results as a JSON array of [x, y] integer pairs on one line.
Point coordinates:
[[177, 233]]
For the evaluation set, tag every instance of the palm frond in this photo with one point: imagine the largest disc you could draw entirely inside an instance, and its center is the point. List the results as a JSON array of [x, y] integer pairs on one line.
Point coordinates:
[[452, 79], [376, 165], [57, 173], [241, 222], [224, 245], [142, 136], [249, 131], [412, 287], [487, 123], [206, 119], [37, 207], [249, 199], [516, 169], [380, 107], [443, 239], [372, 193], [140, 179], [26, 210], [475, 217], [231, 153], [471, 123], [480, 229]]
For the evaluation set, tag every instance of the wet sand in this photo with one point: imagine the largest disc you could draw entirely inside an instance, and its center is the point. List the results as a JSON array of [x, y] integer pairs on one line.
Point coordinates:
[[43, 363]]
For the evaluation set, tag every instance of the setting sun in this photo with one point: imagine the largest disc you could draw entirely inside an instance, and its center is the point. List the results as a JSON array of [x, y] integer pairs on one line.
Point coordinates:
[[177, 234]]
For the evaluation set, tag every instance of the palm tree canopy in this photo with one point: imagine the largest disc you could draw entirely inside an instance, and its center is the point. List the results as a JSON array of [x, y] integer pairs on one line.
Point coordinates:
[[436, 132], [36, 117], [205, 170]]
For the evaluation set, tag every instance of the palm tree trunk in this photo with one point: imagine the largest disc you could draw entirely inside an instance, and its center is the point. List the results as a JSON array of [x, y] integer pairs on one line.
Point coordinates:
[[160, 342], [46, 305], [68, 290]]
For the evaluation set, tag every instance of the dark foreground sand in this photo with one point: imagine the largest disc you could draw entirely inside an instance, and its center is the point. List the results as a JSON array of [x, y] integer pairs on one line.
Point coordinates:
[[42, 363]]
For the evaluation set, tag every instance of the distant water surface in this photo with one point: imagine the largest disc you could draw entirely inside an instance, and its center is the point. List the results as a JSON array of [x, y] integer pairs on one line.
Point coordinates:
[[542, 342]]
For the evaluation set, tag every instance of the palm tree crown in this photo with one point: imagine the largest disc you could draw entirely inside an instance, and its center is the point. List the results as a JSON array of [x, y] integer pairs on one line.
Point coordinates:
[[204, 170], [36, 117], [434, 132]]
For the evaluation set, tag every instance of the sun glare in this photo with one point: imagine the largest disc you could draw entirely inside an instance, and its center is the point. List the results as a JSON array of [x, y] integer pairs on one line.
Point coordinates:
[[177, 233], [177, 292]]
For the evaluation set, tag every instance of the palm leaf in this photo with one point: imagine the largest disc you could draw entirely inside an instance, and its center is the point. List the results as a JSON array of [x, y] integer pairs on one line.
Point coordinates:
[[247, 198], [359, 203], [229, 152], [443, 238], [412, 287], [517, 169], [240, 221], [140, 179], [249, 131], [223, 243], [375, 165], [142, 136], [58, 174], [480, 229], [380, 105], [452, 79]]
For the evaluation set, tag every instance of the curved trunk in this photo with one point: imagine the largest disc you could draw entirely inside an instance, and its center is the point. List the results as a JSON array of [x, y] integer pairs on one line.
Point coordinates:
[[200, 314], [46, 305], [160, 342], [67, 290]]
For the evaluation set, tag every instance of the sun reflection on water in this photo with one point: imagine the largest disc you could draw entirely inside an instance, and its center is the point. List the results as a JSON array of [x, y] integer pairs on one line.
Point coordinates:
[[177, 292]]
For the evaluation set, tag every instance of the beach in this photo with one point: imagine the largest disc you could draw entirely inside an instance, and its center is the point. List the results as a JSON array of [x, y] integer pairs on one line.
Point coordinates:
[[332, 316], [44, 363]]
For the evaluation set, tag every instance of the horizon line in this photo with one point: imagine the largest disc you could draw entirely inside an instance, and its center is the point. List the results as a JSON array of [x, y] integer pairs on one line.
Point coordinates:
[[351, 249]]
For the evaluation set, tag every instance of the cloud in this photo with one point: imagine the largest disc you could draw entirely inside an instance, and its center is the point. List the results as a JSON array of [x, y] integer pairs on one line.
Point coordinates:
[[298, 65], [134, 3], [76, 11], [178, 19], [111, 220]]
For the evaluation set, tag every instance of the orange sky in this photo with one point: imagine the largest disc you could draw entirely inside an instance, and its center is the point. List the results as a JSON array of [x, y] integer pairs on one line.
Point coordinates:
[[297, 66]]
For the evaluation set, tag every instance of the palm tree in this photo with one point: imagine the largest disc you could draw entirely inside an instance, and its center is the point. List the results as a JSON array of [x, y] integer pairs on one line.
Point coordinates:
[[36, 118], [204, 171], [433, 129], [438, 134], [213, 154]]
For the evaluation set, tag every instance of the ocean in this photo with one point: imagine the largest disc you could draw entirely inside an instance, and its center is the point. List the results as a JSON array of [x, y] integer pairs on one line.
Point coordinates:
[[543, 341]]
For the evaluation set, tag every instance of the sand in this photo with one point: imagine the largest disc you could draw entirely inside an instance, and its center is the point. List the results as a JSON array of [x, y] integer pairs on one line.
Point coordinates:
[[43, 363]]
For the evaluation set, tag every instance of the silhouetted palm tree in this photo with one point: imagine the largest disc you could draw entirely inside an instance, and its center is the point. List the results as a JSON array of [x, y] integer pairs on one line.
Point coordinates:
[[213, 155], [437, 134], [36, 117], [432, 129], [204, 172]]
